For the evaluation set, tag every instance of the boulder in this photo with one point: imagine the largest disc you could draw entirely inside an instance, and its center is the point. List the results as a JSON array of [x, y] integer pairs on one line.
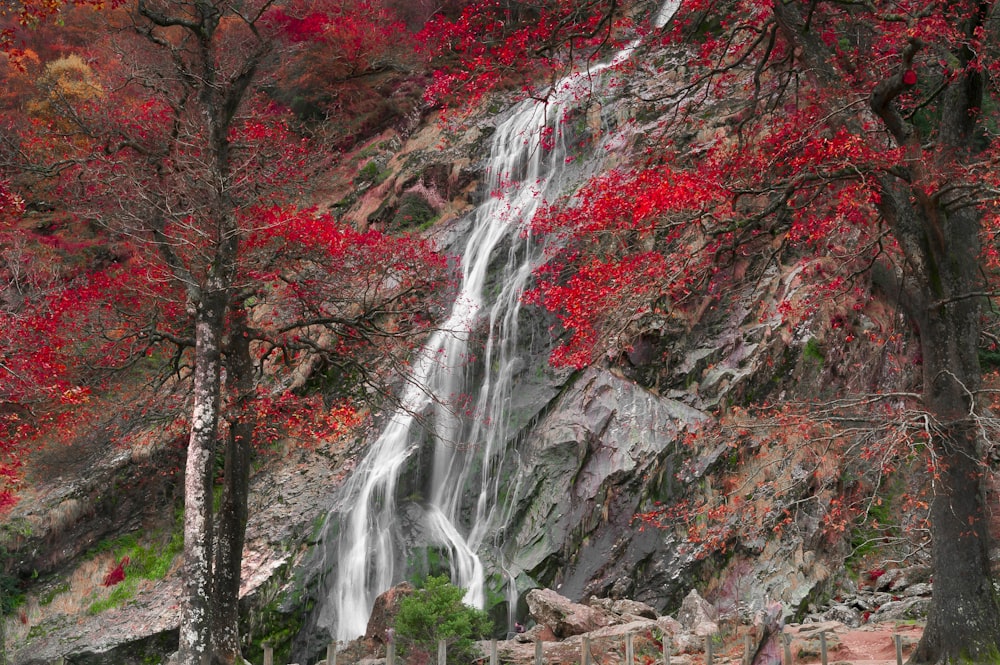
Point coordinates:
[[384, 613], [670, 625], [902, 610], [919, 589], [563, 616], [626, 607], [843, 613], [697, 615]]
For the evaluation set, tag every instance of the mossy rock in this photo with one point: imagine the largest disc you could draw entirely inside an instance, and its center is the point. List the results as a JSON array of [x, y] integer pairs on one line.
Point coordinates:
[[413, 212]]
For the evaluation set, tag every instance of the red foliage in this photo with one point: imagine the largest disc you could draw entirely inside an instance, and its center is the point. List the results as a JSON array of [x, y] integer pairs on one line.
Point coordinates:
[[492, 43], [116, 574], [336, 46]]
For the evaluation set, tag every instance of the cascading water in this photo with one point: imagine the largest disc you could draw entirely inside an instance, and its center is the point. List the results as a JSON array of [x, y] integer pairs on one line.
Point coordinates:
[[523, 171]]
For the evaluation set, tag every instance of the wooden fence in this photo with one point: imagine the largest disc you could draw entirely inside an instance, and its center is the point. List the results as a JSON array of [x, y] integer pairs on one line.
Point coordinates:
[[586, 657]]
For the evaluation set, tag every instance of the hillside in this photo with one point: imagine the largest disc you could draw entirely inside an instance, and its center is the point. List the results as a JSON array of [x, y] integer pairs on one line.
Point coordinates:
[[614, 378]]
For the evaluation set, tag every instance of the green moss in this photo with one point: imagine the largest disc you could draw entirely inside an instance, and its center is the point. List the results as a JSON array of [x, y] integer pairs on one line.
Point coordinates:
[[55, 591], [120, 594], [371, 174], [426, 562], [317, 529], [277, 629], [413, 211], [37, 631], [812, 351], [989, 360], [150, 561], [873, 527], [11, 595]]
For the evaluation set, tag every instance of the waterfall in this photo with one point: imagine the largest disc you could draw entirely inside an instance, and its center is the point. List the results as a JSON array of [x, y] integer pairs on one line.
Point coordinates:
[[525, 168]]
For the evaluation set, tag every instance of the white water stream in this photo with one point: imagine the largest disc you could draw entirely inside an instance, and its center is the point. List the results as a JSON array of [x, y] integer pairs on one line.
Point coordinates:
[[523, 172]]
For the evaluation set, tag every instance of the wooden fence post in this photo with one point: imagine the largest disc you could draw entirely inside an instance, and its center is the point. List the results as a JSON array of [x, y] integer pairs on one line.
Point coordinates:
[[666, 649], [822, 647], [494, 659], [585, 655], [709, 655], [899, 648], [390, 652], [787, 641], [747, 650], [629, 649], [268, 655], [538, 652], [442, 652], [331, 653]]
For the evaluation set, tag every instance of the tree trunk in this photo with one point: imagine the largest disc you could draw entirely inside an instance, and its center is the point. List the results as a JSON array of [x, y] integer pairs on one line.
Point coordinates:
[[196, 620], [232, 517], [943, 251], [963, 624]]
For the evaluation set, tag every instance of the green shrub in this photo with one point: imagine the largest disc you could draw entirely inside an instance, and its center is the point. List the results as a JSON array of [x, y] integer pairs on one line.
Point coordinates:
[[436, 612]]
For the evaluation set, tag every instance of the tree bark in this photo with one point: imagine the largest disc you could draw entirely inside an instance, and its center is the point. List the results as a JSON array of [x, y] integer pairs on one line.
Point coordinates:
[[196, 621], [233, 511], [963, 623]]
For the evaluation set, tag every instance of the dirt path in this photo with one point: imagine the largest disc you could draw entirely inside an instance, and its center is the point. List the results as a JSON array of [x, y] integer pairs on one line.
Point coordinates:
[[872, 644]]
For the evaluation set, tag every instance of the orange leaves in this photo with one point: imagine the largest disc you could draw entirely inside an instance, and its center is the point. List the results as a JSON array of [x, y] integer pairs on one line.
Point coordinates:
[[304, 419]]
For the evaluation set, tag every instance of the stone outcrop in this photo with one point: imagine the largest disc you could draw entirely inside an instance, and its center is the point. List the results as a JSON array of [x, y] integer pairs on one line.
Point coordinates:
[[698, 616], [562, 616], [605, 444]]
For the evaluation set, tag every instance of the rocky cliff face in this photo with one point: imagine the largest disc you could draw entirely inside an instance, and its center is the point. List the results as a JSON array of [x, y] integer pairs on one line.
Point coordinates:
[[589, 450]]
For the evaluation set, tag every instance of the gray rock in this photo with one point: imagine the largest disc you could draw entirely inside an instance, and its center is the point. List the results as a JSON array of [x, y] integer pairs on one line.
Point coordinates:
[[592, 458], [563, 616], [862, 603], [919, 589], [697, 615], [606, 604], [670, 625], [887, 579], [845, 614], [901, 610], [633, 608]]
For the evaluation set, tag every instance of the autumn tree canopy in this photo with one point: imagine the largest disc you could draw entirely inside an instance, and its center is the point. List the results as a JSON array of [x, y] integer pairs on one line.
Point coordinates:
[[862, 135], [172, 186]]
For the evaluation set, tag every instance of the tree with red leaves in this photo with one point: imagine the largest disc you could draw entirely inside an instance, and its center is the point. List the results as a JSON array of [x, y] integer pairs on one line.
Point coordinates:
[[188, 178], [490, 44], [858, 134]]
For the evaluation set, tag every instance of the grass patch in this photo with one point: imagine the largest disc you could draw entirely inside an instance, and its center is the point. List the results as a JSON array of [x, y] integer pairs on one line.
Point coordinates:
[[813, 352], [150, 561]]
